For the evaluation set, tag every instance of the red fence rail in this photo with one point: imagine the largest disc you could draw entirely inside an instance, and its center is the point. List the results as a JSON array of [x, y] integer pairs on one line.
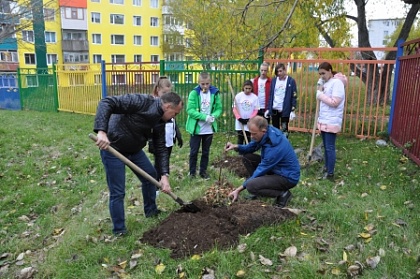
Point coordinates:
[[405, 124]]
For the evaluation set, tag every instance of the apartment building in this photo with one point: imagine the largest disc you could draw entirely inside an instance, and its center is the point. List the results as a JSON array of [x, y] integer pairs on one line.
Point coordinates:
[[379, 32]]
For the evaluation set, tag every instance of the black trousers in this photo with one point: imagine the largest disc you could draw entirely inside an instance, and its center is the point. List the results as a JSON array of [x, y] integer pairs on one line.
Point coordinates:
[[270, 185]]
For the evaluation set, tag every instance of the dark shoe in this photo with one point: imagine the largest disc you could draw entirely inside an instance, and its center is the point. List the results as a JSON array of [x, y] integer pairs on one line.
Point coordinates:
[[121, 234], [153, 214], [328, 176], [251, 197], [282, 200], [204, 176]]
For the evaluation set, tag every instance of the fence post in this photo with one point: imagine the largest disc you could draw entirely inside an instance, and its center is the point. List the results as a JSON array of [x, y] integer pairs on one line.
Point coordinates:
[[400, 52], [104, 93], [55, 87], [260, 56], [162, 67]]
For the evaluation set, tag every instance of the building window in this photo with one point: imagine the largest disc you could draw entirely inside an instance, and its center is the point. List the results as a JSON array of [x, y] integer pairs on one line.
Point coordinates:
[[121, 2], [117, 19], [188, 78], [138, 78], [117, 58], [154, 58], [137, 20], [8, 81], [31, 81], [117, 39], [50, 37], [30, 59], [76, 57], [95, 1], [8, 56], [137, 40], [118, 79], [155, 78], [96, 17], [28, 36], [136, 2], [138, 58], [188, 42], [51, 59], [49, 14], [154, 40], [77, 79], [96, 39], [97, 58], [74, 13], [154, 4], [74, 36], [154, 21]]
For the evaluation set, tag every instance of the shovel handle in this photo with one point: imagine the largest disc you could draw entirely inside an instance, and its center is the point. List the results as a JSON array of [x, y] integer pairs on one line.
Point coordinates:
[[133, 166], [314, 129]]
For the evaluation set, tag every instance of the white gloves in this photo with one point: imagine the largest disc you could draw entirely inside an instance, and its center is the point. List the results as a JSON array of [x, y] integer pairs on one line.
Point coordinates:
[[210, 119], [292, 116], [319, 93], [266, 114]]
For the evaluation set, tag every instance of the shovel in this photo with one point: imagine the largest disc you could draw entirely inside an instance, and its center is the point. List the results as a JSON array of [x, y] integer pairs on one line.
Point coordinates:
[[186, 206], [311, 148]]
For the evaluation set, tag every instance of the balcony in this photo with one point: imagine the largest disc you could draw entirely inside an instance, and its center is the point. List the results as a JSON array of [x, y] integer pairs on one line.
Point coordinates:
[[8, 66], [75, 45]]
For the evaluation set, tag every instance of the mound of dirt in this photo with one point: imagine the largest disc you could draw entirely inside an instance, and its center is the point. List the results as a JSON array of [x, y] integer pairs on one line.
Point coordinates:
[[187, 234], [233, 164]]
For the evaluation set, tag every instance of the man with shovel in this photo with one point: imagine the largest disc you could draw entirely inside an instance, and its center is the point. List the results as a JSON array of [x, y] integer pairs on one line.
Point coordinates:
[[273, 172], [126, 123]]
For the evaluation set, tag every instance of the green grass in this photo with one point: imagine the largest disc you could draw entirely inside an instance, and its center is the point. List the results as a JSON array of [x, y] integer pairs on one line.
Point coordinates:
[[53, 207]]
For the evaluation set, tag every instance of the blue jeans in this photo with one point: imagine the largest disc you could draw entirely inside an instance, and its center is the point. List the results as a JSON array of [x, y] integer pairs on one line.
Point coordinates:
[[115, 177], [328, 139], [195, 141]]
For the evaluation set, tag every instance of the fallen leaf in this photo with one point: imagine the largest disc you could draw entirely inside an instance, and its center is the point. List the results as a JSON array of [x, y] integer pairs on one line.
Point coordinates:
[[241, 247], [365, 235], [369, 227], [335, 271], [27, 272], [383, 187], [20, 257], [372, 262], [290, 251], [240, 273], [344, 256], [123, 264], [265, 261], [381, 252], [133, 264], [400, 222], [160, 268], [195, 257]]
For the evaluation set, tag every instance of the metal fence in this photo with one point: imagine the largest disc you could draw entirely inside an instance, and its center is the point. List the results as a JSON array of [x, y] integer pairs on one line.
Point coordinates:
[[405, 115], [368, 90]]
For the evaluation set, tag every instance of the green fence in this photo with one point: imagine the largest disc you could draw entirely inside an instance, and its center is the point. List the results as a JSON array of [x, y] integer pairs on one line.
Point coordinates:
[[38, 89], [184, 76]]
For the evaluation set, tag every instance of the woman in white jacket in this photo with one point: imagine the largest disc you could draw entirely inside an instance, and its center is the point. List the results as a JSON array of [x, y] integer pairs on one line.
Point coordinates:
[[331, 95]]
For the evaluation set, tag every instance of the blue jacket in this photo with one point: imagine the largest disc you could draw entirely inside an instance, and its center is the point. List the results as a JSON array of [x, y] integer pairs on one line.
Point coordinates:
[[277, 156], [290, 98]]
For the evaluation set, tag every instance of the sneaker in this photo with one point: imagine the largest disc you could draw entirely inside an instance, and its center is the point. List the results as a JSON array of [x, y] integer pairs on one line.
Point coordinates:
[[121, 234], [328, 176], [153, 214], [282, 200], [205, 176]]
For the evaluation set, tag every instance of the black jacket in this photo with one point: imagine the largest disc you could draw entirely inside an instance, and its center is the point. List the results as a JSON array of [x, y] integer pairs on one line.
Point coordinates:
[[129, 120]]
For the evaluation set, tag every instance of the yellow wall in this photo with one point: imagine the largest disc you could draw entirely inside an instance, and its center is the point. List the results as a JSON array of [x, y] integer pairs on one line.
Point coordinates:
[[128, 30]]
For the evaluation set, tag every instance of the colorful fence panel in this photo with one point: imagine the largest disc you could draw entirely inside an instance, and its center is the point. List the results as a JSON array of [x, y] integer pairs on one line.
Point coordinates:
[[404, 130], [9, 92], [37, 88], [367, 93]]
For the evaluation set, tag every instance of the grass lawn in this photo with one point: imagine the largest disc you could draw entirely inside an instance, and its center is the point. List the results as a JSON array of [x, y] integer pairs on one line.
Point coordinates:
[[54, 219]]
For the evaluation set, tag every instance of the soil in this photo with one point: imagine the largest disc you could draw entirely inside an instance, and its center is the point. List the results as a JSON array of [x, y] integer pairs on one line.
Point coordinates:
[[219, 223]]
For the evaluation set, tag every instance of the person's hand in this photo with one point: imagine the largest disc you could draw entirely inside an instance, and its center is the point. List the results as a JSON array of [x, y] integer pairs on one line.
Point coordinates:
[[180, 142], [209, 119], [267, 114], [320, 84], [164, 182], [292, 116], [230, 146], [243, 121], [233, 195], [319, 93], [102, 140]]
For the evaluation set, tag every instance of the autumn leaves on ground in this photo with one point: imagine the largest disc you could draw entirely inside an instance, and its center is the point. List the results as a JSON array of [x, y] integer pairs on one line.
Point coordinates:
[[55, 221]]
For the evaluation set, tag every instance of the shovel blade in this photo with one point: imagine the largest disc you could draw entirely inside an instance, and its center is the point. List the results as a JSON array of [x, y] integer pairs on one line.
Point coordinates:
[[188, 206]]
